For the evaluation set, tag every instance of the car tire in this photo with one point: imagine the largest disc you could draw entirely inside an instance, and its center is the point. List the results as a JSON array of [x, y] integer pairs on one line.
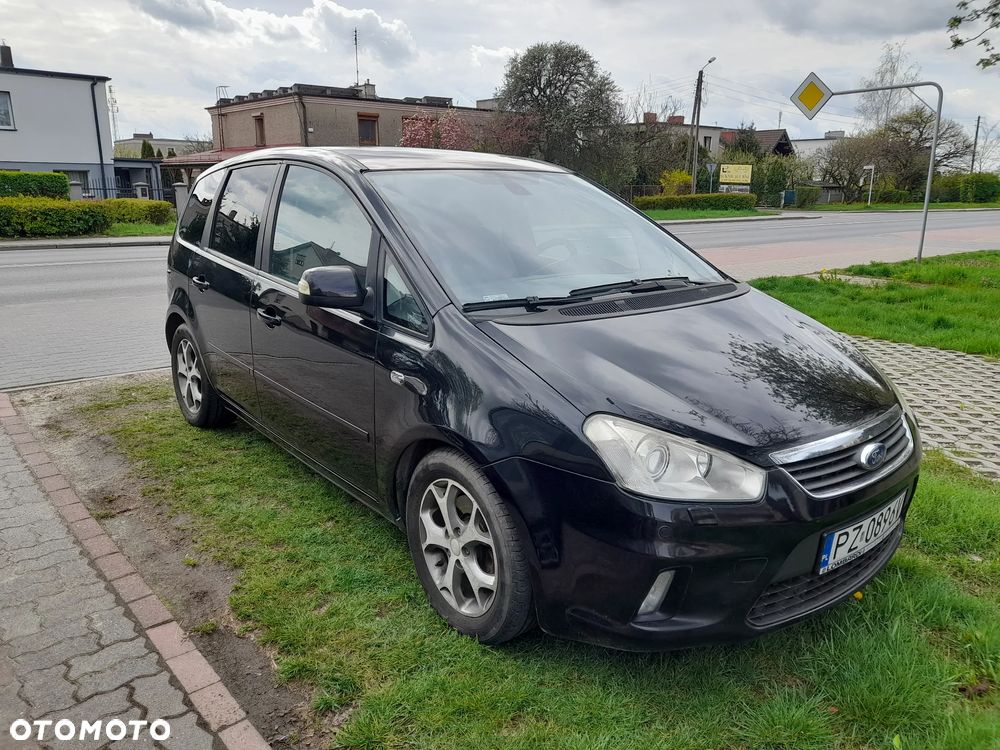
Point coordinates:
[[457, 570], [200, 403]]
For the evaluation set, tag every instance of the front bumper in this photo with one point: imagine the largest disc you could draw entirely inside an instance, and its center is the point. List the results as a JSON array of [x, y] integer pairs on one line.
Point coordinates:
[[740, 570]]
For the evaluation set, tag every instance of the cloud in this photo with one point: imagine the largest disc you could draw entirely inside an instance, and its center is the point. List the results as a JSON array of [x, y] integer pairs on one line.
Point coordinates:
[[486, 56], [324, 25], [838, 20]]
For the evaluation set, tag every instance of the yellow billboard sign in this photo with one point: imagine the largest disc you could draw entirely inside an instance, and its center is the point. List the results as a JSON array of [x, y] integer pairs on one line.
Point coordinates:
[[735, 174]]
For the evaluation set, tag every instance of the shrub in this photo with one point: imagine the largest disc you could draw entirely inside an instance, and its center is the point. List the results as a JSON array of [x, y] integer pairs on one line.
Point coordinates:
[[806, 196], [890, 195], [980, 187], [699, 201], [47, 217], [947, 187], [675, 182], [43, 184], [137, 211]]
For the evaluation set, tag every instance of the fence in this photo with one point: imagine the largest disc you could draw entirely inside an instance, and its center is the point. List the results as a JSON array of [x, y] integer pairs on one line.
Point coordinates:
[[96, 191]]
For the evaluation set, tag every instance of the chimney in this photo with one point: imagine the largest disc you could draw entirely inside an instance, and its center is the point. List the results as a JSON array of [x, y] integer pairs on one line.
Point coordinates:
[[675, 120], [6, 59], [365, 90], [649, 118]]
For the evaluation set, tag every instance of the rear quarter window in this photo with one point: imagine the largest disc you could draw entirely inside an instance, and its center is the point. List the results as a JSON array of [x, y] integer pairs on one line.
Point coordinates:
[[192, 224]]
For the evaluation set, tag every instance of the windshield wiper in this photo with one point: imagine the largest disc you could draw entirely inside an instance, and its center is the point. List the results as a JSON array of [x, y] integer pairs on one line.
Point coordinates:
[[637, 286], [531, 304]]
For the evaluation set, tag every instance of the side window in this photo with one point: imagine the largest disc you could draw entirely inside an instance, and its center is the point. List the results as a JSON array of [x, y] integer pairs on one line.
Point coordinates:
[[192, 224], [241, 208], [399, 304], [318, 224]]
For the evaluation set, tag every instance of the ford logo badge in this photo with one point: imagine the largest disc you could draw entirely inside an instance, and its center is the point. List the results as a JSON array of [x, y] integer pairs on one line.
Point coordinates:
[[872, 456]]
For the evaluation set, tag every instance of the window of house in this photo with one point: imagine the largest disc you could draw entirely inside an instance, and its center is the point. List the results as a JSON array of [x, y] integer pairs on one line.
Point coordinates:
[[241, 208], [258, 130], [367, 130], [318, 224], [398, 303], [6, 111], [192, 224], [708, 142]]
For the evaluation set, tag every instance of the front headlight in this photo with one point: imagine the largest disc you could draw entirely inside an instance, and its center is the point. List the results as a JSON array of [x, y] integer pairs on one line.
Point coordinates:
[[656, 463]]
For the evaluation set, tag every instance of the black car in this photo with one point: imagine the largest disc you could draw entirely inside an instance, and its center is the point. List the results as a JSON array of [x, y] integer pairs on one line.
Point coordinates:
[[576, 419]]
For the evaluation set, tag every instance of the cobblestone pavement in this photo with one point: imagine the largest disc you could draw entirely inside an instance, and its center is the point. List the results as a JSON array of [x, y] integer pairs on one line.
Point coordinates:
[[74, 646], [956, 397]]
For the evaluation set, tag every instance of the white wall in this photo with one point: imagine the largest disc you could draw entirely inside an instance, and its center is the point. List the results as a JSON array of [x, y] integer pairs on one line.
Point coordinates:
[[54, 121]]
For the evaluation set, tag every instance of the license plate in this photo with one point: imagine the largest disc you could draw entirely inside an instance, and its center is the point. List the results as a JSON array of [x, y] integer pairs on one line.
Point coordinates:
[[849, 543]]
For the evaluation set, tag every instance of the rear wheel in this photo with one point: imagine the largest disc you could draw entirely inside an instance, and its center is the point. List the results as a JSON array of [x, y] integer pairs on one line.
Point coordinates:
[[200, 403], [467, 549]]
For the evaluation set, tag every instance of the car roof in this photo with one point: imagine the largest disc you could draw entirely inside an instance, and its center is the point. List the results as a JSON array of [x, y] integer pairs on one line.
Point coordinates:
[[381, 158]]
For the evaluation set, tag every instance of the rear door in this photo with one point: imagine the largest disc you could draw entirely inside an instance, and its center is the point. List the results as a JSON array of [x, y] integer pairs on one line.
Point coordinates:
[[314, 366], [223, 277]]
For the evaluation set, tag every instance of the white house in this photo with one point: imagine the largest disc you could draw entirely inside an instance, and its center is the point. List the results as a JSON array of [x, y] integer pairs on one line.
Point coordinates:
[[56, 122]]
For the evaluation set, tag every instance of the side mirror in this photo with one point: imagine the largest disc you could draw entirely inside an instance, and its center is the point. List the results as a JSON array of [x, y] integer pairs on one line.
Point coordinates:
[[330, 286]]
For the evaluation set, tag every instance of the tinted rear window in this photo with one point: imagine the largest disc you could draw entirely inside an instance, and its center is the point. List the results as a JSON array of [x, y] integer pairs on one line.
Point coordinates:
[[192, 223], [241, 211]]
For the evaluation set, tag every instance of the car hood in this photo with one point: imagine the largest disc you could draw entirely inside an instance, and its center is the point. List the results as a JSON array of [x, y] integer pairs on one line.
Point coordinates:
[[747, 374]]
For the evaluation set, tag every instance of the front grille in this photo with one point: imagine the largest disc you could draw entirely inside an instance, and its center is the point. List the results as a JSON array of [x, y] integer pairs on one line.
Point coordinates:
[[799, 596], [839, 471]]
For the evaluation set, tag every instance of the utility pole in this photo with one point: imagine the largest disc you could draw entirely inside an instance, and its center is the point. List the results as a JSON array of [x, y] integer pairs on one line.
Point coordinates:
[[696, 124], [975, 142]]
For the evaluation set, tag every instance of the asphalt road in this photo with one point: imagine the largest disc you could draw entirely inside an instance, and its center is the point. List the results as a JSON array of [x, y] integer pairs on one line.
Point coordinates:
[[77, 313]]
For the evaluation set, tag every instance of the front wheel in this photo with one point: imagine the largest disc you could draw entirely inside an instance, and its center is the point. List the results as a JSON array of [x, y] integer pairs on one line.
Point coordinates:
[[200, 403], [467, 549]]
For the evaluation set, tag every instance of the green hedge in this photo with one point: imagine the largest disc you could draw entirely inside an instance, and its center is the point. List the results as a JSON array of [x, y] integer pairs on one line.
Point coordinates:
[[980, 187], [43, 184], [890, 195], [137, 211], [47, 217], [718, 201], [806, 196]]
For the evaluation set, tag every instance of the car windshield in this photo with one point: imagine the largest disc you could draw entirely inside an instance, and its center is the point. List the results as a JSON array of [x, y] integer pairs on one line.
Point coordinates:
[[495, 235]]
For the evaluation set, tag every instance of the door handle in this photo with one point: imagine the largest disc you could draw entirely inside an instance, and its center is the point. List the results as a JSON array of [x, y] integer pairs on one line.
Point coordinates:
[[201, 282], [416, 385], [270, 319]]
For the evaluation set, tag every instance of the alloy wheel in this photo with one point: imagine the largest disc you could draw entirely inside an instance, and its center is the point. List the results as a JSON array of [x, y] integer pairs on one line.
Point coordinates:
[[189, 381], [458, 547]]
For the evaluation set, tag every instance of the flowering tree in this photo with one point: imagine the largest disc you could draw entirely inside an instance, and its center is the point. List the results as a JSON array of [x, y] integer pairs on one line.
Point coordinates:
[[450, 131]]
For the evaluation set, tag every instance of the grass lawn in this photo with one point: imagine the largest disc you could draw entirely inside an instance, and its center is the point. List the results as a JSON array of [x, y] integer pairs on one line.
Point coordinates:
[[141, 230], [329, 587], [948, 301], [898, 206], [673, 214]]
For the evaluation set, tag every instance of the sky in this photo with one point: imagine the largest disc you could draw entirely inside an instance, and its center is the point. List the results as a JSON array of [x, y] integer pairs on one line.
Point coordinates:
[[166, 57]]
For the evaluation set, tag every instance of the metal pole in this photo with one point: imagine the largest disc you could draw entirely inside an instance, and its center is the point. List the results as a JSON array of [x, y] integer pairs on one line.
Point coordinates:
[[694, 140], [975, 142], [871, 184], [934, 140]]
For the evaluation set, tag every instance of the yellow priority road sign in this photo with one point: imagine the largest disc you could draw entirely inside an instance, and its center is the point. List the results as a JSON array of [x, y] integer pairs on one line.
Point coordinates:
[[811, 95]]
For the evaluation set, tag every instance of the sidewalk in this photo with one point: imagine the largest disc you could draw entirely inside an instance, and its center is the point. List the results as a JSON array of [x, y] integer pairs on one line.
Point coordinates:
[[82, 637], [735, 219], [48, 243]]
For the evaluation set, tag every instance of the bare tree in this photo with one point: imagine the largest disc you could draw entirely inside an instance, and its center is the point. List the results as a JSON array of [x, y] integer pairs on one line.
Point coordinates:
[[657, 146], [196, 143], [895, 67], [988, 147]]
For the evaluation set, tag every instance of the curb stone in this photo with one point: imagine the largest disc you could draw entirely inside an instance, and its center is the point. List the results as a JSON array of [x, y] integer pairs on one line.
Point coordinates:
[[201, 684]]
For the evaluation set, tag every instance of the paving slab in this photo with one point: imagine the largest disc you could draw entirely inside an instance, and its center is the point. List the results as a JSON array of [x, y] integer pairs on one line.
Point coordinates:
[[74, 646]]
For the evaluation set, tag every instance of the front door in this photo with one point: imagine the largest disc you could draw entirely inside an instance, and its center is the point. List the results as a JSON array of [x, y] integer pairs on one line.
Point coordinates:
[[222, 279], [314, 366]]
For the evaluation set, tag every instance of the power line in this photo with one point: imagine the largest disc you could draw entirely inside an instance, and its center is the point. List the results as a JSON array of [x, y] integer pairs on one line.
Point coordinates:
[[772, 92], [783, 104]]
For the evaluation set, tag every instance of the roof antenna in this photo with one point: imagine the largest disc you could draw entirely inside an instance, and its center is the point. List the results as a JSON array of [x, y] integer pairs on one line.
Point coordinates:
[[357, 69]]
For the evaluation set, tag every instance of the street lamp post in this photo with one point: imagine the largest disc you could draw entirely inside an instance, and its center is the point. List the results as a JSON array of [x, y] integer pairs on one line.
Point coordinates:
[[696, 124]]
